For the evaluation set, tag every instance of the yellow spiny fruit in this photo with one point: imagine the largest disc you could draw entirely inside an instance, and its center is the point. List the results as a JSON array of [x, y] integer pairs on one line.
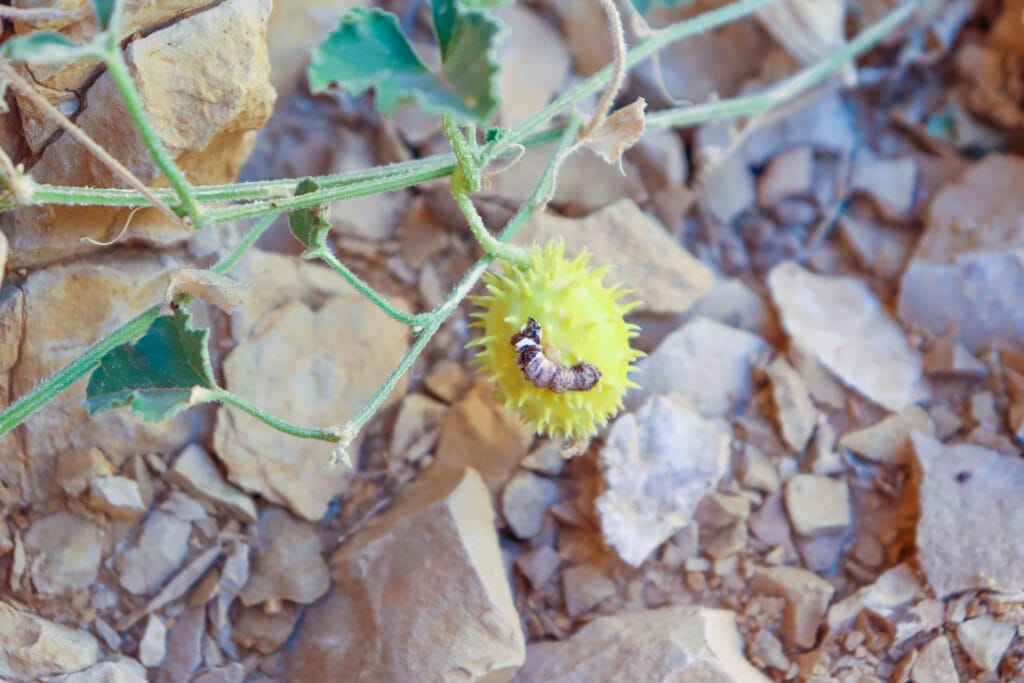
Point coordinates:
[[581, 321]]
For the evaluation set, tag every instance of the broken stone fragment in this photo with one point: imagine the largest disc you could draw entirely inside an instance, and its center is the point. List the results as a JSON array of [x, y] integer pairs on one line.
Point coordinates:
[[669, 644], [807, 597], [707, 362], [117, 497], [888, 440], [817, 505], [538, 565], [890, 183], [658, 463], [935, 663], [841, 322], [195, 471], [184, 646], [969, 534], [796, 414], [161, 548], [63, 552], [722, 520], [584, 586], [254, 628], [32, 647], [948, 358], [286, 562], [153, 645], [120, 670], [788, 174], [76, 468], [438, 539], [985, 639], [525, 502]]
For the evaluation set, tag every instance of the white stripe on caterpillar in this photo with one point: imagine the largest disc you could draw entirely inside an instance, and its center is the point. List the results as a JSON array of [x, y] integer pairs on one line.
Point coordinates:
[[544, 373]]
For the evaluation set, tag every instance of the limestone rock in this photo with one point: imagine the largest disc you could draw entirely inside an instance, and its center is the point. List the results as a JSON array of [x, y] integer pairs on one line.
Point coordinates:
[[888, 441], [657, 464], [479, 433], [206, 113], [817, 505], [538, 565], [537, 62], [287, 564], [525, 502], [722, 520], [889, 596], [32, 647], [195, 471], [63, 316], [707, 362], [971, 530], [890, 184], [117, 497], [881, 248], [159, 551], [841, 322], [661, 273], [76, 468], [673, 643], [950, 359], [183, 647], [969, 263], [153, 646], [437, 540], [337, 355], [417, 426], [985, 639], [63, 552], [120, 670], [254, 628], [822, 123], [796, 414], [789, 174], [935, 663], [584, 586], [807, 596]]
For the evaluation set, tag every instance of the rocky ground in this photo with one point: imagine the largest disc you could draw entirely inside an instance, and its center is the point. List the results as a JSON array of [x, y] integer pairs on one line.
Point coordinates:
[[818, 480]]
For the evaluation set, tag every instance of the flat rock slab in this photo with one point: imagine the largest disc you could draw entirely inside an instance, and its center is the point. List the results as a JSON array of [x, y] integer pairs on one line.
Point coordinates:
[[51, 649], [286, 562], [670, 644], [336, 355], [658, 463], [707, 362], [420, 594], [971, 531], [662, 274], [841, 322]]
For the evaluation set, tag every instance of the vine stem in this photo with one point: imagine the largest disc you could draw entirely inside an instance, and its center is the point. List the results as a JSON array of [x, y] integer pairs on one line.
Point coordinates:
[[26, 90], [330, 434], [63, 379], [325, 255], [118, 69]]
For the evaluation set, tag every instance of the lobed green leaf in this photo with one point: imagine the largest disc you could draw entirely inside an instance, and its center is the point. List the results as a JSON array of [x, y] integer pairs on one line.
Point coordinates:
[[104, 11], [156, 374], [309, 226]]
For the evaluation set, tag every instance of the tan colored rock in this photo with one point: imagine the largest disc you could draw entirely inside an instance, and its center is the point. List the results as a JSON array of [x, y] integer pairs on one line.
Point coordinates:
[[889, 596], [890, 183], [195, 471], [586, 33], [525, 502], [286, 565], [438, 539], [536, 62], [160, 549], [49, 649], [63, 316], [661, 273], [888, 440], [584, 587], [841, 322], [935, 663], [947, 358], [63, 552], [206, 114], [418, 425], [328, 381], [670, 644], [184, 644], [817, 505], [448, 380], [76, 468], [153, 645], [807, 598], [707, 362], [796, 414], [254, 628], [985, 639], [117, 497], [881, 248], [293, 30], [120, 670], [538, 565], [479, 433], [970, 533], [789, 174], [722, 520], [658, 463]]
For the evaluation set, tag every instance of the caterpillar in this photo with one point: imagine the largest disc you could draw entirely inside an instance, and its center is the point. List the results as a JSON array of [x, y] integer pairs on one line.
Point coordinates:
[[544, 373]]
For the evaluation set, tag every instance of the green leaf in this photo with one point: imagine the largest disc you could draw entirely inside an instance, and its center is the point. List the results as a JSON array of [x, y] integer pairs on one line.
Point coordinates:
[[154, 375], [104, 11], [47, 47], [309, 225], [369, 50]]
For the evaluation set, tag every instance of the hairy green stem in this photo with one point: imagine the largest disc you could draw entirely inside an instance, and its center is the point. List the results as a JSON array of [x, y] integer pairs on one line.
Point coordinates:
[[491, 244], [224, 396], [61, 381], [468, 168], [325, 255], [118, 69], [786, 89]]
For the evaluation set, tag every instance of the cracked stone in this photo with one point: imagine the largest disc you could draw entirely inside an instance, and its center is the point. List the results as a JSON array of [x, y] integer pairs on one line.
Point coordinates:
[[117, 497], [796, 414], [286, 564], [195, 471], [161, 549]]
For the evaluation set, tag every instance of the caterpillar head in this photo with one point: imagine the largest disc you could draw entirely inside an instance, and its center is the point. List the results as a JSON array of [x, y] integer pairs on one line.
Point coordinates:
[[582, 322]]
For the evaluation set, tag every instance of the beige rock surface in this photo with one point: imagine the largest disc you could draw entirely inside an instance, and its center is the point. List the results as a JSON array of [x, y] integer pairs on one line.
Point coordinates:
[[970, 531], [195, 471], [674, 643], [434, 552], [662, 274], [63, 552], [287, 565], [816, 504], [888, 440], [807, 597], [49, 649]]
